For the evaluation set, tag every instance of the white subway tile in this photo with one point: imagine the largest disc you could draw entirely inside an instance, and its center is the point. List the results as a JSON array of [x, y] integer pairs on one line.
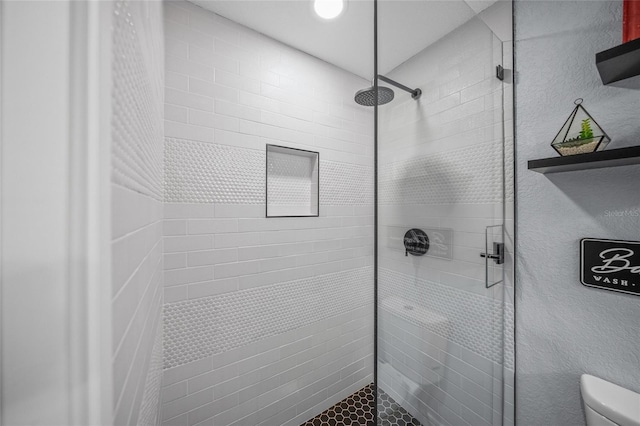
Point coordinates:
[[295, 111], [239, 210], [274, 277], [328, 268], [277, 264], [211, 288], [203, 415], [175, 13], [186, 131], [182, 32], [174, 227], [212, 90], [210, 24], [215, 121], [189, 69], [212, 257], [210, 59], [188, 211], [257, 101], [175, 391], [232, 50], [237, 240], [189, 100], [175, 113], [236, 110], [188, 275], [176, 421], [212, 226], [186, 371], [186, 404], [259, 252], [187, 243], [175, 294], [298, 248], [236, 269], [176, 81], [212, 378], [131, 211], [175, 260], [240, 140]]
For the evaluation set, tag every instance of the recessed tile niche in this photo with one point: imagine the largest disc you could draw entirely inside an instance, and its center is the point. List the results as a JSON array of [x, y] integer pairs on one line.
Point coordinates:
[[292, 182]]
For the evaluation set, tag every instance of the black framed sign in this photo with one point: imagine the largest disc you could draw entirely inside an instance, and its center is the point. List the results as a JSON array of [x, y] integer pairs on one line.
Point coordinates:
[[610, 264]]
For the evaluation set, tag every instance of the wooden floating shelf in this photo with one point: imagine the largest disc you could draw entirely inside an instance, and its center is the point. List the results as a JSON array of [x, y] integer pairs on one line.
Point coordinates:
[[620, 62], [592, 160]]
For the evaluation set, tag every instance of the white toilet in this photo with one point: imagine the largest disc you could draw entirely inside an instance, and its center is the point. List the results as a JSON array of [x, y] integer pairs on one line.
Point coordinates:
[[607, 404]]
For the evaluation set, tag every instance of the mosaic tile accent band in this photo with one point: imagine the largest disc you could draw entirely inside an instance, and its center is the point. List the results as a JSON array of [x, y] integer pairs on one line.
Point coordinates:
[[473, 321], [137, 132], [345, 184], [469, 175], [201, 172], [202, 327]]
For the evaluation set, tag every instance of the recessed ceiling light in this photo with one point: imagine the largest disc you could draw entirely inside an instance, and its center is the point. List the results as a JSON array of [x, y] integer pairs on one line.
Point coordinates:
[[328, 9]]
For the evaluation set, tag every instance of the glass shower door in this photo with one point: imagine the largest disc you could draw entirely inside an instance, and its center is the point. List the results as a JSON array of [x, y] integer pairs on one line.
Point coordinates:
[[443, 315]]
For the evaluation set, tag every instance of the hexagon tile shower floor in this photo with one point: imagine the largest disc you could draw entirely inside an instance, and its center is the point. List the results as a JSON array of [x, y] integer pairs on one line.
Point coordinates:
[[357, 409]]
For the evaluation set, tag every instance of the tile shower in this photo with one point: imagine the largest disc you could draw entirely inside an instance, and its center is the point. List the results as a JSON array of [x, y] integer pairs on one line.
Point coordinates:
[[249, 320]]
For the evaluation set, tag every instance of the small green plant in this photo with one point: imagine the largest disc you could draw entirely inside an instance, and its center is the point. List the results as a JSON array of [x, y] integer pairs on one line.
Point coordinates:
[[585, 135], [586, 132]]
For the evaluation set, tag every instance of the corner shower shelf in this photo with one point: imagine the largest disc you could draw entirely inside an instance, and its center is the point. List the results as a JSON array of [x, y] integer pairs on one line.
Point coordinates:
[[592, 160], [620, 62]]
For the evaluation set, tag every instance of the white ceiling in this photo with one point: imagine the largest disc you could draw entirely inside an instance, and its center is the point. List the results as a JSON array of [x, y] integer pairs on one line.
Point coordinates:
[[405, 27]]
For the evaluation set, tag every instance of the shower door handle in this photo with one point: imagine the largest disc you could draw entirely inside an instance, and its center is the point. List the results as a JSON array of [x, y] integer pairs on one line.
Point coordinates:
[[497, 256], [498, 253]]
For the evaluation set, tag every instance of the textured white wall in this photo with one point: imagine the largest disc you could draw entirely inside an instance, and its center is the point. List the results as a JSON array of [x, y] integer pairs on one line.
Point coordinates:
[[137, 189], [267, 321], [563, 328]]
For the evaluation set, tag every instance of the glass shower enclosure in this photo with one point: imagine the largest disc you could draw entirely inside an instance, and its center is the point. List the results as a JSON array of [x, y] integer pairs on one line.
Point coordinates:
[[444, 275]]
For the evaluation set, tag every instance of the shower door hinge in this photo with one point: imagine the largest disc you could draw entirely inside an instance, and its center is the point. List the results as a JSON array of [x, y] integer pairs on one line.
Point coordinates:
[[500, 72]]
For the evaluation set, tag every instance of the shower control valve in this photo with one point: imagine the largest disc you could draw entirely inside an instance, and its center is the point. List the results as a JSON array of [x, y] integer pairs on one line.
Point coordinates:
[[416, 242]]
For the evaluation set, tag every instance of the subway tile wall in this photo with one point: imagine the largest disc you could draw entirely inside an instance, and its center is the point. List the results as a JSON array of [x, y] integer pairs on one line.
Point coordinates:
[[137, 181], [441, 331], [283, 380], [267, 321]]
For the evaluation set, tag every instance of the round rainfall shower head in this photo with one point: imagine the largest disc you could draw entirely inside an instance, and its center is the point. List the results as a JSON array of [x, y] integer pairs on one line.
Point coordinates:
[[367, 96]]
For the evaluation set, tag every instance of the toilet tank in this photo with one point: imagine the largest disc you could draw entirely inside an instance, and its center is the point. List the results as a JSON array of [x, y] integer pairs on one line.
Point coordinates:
[[405, 327], [607, 404]]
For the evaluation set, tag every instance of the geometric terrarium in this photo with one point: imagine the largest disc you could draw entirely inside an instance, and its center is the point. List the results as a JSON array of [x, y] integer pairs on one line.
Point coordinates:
[[292, 182], [580, 134]]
